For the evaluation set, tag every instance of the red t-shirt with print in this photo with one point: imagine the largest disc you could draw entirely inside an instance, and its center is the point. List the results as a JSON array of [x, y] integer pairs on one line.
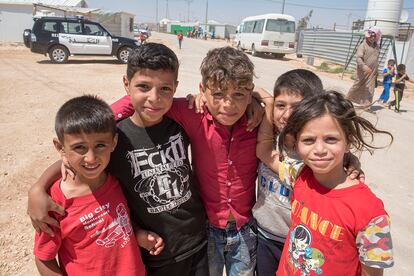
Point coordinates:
[[95, 235], [333, 231]]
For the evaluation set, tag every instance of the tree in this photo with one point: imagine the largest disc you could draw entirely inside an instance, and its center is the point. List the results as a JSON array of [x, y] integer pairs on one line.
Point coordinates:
[[303, 22]]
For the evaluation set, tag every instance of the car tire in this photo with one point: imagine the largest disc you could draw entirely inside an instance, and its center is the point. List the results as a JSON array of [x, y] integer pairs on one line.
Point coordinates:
[[123, 54], [58, 54], [254, 52], [279, 56], [239, 47]]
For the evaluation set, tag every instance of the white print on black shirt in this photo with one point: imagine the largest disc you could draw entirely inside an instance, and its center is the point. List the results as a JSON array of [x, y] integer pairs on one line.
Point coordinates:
[[163, 174]]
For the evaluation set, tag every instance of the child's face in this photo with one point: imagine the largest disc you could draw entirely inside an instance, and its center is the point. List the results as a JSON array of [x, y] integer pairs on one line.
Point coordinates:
[[88, 154], [322, 144], [283, 106], [228, 106], [151, 94]]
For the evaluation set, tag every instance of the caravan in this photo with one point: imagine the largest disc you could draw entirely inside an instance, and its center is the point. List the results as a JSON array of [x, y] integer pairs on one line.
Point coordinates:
[[268, 33]]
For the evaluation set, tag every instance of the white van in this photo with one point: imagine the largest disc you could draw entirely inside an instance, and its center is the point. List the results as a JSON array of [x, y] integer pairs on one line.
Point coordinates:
[[268, 33]]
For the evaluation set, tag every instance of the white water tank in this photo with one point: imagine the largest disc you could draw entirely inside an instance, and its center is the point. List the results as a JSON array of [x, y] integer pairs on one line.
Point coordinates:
[[389, 10]]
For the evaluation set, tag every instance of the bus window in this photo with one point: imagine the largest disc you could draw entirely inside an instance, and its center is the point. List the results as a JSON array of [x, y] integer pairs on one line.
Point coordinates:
[[248, 27], [280, 25], [258, 27]]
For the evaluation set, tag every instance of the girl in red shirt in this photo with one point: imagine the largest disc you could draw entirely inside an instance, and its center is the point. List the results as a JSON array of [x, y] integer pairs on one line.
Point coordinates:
[[338, 226]]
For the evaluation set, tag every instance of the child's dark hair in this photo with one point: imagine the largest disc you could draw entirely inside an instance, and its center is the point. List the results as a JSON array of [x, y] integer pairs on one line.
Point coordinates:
[[298, 82], [391, 61], [153, 56], [401, 67], [84, 114], [334, 104], [226, 66]]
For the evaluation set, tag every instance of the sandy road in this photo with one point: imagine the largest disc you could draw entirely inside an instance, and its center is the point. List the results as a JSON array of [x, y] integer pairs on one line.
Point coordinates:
[[32, 89]]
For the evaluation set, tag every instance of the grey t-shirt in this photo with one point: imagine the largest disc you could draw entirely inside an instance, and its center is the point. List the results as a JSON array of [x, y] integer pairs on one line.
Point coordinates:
[[273, 204]]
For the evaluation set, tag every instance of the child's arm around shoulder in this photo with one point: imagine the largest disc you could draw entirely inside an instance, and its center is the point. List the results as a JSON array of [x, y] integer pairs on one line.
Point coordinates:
[[123, 108], [40, 203]]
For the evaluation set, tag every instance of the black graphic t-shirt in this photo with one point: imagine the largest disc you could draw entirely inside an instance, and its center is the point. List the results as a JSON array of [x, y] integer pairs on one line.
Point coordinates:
[[154, 170], [401, 84]]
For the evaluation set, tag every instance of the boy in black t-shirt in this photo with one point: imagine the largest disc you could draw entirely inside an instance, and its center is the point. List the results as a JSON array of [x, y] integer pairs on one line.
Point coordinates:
[[399, 87], [151, 162]]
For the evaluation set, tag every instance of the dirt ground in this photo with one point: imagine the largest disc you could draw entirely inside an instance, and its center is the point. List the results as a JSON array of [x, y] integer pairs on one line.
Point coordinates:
[[32, 89]]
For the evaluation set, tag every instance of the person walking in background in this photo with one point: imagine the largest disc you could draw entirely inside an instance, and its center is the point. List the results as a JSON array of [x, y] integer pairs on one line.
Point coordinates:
[[362, 92], [388, 73], [180, 39], [399, 87]]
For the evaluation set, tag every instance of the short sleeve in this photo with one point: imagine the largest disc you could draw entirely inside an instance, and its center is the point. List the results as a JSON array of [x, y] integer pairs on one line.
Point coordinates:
[[122, 108], [289, 170], [385, 71], [47, 247], [374, 243]]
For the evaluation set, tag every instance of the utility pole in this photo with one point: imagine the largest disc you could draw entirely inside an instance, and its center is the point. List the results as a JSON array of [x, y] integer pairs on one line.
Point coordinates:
[[188, 9], [156, 16], [347, 22], [283, 7], [167, 15], [206, 15]]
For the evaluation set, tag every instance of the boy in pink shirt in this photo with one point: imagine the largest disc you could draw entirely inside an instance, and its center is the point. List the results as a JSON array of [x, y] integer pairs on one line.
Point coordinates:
[[224, 157]]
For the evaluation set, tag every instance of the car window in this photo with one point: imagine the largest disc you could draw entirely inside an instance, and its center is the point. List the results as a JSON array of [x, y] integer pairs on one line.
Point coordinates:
[[51, 27], [93, 29], [258, 27], [72, 28]]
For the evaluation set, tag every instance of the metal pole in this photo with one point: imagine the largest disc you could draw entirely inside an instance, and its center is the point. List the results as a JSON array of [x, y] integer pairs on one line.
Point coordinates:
[[283, 7], [166, 11], [206, 15], [156, 16]]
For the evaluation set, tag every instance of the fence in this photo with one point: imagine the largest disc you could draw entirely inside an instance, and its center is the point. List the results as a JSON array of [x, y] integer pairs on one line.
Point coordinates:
[[334, 46]]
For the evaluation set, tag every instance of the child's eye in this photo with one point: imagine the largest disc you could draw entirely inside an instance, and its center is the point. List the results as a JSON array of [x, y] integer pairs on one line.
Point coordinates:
[[80, 149], [239, 95], [280, 106], [143, 87], [218, 94], [166, 89], [331, 140], [101, 145], [307, 141]]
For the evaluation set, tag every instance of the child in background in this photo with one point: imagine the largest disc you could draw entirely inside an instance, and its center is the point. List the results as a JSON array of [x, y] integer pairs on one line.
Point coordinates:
[[399, 87], [338, 226], [272, 209], [388, 73], [95, 235]]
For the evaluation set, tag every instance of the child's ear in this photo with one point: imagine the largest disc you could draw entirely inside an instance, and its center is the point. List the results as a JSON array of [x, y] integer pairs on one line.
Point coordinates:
[[58, 146], [175, 86], [126, 83], [201, 88], [115, 142]]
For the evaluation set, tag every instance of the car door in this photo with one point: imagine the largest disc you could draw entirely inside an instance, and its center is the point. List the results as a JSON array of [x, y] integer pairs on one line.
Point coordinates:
[[72, 37], [98, 42]]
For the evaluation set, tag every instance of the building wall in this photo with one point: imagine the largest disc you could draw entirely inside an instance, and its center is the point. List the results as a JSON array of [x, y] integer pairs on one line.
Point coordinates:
[[13, 20]]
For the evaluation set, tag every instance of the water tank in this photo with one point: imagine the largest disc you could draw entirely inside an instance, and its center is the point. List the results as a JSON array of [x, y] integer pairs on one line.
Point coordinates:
[[389, 10]]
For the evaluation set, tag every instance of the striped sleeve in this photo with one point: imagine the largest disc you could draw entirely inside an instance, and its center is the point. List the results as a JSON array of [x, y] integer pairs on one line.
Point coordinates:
[[289, 170]]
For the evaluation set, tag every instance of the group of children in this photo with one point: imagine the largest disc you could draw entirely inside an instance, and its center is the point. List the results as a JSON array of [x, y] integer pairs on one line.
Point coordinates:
[[310, 217], [389, 73]]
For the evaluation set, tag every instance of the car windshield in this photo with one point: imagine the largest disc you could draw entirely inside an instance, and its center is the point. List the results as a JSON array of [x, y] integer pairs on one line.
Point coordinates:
[[280, 25]]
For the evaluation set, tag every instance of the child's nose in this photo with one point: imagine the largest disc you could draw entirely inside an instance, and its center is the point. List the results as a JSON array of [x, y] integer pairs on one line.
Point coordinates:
[[90, 156]]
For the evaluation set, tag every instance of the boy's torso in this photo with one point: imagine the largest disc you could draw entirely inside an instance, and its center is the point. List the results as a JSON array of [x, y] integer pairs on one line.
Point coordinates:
[[153, 167], [401, 85], [96, 233], [224, 161]]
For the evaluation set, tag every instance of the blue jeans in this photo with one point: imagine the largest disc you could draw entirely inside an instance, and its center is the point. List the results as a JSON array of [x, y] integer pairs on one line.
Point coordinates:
[[268, 256], [236, 250], [385, 95]]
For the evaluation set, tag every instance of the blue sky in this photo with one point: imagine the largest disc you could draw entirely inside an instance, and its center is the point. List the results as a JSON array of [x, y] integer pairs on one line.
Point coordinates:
[[325, 12]]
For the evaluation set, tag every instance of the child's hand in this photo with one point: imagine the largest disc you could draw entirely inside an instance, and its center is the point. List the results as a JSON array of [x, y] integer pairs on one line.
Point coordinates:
[[196, 100], [255, 112], [353, 167], [150, 241], [39, 206], [66, 169]]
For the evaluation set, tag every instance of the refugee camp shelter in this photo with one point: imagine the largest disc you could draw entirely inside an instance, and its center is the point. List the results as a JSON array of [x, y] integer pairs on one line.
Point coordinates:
[[17, 15]]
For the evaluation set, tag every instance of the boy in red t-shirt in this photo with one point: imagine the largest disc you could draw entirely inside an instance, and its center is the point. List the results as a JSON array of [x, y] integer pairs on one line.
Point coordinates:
[[95, 231]]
